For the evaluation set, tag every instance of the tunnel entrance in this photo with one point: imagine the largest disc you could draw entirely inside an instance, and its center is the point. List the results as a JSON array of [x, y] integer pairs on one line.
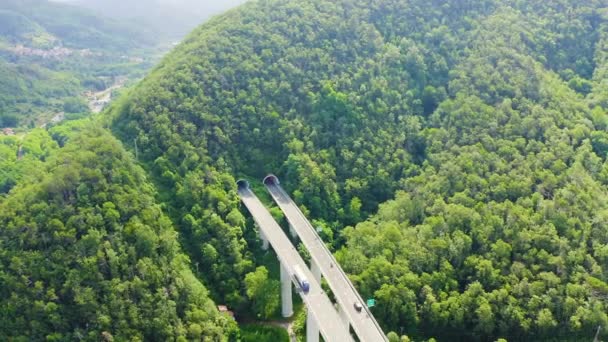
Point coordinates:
[[242, 184], [271, 180]]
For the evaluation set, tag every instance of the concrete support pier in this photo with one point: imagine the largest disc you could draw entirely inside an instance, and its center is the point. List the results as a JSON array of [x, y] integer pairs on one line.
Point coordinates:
[[263, 237], [292, 231], [312, 328], [286, 302]]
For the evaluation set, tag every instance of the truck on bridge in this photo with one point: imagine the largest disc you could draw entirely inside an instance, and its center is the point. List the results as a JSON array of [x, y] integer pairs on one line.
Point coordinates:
[[301, 279]]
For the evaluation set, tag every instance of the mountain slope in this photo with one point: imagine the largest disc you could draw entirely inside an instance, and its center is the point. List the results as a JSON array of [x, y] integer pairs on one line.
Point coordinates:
[[514, 187], [87, 254], [17, 28], [482, 120], [25, 88]]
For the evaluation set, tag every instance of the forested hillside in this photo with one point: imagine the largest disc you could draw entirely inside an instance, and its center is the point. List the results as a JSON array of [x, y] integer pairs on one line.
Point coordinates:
[[87, 254], [480, 125]]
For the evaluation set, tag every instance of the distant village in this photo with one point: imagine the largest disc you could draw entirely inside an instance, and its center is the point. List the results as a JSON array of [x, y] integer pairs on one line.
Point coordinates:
[[8, 131], [56, 52], [62, 52]]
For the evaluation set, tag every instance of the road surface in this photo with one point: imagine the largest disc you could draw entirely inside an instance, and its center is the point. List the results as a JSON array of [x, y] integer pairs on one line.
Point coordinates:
[[316, 299], [98, 101], [346, 294]]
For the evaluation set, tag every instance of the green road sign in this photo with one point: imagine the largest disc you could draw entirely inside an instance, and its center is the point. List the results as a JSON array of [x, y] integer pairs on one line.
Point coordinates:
[[371, 303]]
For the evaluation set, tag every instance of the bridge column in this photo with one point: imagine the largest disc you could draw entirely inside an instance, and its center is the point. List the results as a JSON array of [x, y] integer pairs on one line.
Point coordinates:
[[287, 304], [263, 238], [312, 329], [316, 271], [292, 231], [265, 244]]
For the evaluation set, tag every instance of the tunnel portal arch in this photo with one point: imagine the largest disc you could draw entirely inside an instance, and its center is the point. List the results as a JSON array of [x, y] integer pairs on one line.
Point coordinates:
[[271, 180], [242, 184]]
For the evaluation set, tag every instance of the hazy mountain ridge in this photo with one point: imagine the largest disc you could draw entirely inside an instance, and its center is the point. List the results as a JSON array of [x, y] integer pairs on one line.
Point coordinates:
[[73, 26], [168, 18], [51, 53]]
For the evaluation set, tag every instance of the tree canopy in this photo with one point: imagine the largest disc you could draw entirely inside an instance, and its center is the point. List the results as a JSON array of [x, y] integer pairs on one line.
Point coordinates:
[[86, 253], [454, 153]]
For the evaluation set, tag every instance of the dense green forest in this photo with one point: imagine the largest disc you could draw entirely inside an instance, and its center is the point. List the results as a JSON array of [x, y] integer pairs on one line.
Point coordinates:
[[454, 153], [87, 254]]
